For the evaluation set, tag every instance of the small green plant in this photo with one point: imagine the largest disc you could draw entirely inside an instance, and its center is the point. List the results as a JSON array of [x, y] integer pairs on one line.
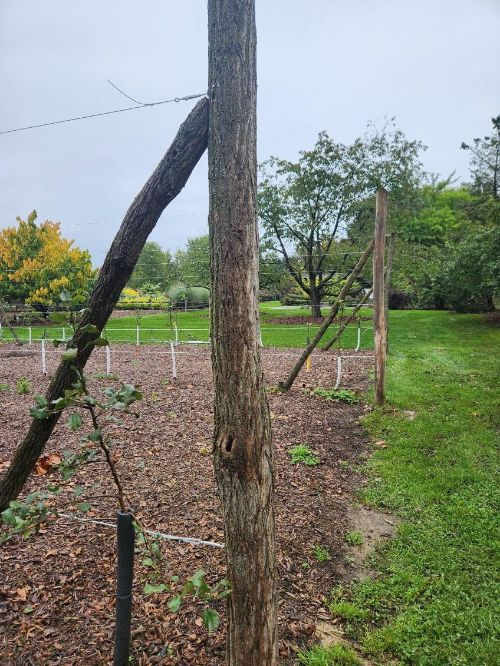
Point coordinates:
[[103, 375], [195, 587], [343, 395], [301, 453], [321, 554], [23, 386], [273, 389], [4, 388], [25, 518], [347, 610], [354, 538], [333, 655]]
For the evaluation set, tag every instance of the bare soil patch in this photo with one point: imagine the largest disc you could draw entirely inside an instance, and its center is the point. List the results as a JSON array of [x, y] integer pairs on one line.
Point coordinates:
[[57, 588]]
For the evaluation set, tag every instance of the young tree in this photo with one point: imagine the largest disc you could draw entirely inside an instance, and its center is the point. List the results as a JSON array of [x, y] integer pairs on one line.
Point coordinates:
[[485, 161], [243, 456], [305, 206], [37, 263], [193, 263], [154, 266]]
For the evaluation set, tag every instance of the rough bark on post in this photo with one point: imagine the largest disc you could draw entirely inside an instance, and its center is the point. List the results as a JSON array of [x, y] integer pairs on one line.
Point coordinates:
[[379, 323], [242, 434], [163, 186], [287, 384], [387, 284]]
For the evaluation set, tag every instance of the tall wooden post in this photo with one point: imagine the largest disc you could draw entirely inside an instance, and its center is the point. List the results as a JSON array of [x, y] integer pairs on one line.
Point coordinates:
[[387, 285], [243, 457], [379, 321]]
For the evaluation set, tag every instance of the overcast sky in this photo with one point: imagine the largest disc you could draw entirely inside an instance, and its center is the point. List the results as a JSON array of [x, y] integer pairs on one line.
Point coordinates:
[[323, 64]]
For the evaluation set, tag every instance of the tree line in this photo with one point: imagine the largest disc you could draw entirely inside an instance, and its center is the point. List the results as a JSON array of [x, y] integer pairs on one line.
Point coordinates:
[[316, 216]]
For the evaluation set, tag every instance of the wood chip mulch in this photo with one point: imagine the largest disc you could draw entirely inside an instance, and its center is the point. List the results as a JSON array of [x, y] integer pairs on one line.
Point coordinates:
[[57, 588]]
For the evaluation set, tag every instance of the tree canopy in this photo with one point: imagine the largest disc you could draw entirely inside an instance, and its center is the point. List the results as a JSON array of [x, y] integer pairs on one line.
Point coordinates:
[[193, 263], [305, 207], [155, 266], [37, 264]]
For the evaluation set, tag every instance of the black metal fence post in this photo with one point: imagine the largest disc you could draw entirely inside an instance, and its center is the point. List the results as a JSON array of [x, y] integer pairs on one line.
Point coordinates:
[[125, 575]]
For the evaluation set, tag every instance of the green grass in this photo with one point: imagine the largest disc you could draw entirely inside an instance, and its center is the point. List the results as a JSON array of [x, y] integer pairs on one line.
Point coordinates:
[[335, 655], [301, 453], [354, 538], [435, 598], [193, 325]]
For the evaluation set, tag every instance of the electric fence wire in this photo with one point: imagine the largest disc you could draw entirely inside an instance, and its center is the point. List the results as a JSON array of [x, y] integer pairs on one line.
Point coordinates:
[[140, 105]]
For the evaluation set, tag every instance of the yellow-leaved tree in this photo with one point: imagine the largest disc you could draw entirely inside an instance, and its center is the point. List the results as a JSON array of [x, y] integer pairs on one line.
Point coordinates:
[[37, 264]]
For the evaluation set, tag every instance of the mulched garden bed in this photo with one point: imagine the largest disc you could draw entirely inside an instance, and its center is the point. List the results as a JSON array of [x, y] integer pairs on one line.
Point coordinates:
[[57, 588]]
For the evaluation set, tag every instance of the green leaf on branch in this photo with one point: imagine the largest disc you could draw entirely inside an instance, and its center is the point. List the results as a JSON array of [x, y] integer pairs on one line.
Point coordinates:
[[155, 589], [89, 328], [70, 354], [75, 421]]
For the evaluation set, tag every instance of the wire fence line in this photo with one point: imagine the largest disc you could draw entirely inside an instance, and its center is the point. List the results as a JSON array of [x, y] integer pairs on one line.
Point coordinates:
[[173, 350], [104, 113]]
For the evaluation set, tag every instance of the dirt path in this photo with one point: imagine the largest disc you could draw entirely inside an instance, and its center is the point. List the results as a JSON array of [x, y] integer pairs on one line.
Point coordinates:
[[57, 588]]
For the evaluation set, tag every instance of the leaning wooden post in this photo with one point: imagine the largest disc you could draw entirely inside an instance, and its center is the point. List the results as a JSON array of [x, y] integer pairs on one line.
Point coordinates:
[[287, 384], [243, 455], [165, 183], [349, 318], [379, 322]]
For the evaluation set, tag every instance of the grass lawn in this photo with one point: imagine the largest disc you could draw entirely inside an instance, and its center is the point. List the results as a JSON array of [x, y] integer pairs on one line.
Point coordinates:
[[435, 598], [193, 325]]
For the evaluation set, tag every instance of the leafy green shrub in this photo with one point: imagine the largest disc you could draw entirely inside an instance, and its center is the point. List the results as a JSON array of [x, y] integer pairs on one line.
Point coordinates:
[[344, 395], [23, 386], [138, 301], [301, 453]]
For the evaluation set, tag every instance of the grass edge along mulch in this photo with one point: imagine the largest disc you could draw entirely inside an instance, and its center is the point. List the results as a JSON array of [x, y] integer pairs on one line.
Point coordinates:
[[434, 597]]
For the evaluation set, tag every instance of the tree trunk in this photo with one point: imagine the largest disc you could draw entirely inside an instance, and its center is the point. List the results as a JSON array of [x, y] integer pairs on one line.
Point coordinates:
[[315, 299], [243, 456], [287, 384], [163, 186]]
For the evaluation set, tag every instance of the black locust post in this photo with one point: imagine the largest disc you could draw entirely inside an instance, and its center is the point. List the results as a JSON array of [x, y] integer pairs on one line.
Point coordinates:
[[125, 577], [243, 456], [379, 321], [165, 183], [389, 239]]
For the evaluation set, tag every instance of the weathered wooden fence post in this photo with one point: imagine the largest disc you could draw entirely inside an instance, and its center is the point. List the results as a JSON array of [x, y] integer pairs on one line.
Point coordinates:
[[243, 455], [387, 285], [379, 321]]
